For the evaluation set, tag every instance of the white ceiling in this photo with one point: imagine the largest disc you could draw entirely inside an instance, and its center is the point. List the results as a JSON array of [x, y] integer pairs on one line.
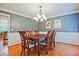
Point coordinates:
[[50, 10]]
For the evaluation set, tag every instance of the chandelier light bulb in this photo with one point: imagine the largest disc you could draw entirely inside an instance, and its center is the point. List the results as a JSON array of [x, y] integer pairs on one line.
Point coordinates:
[[35, 18], [44, 17], [41, 20], [38, 16]]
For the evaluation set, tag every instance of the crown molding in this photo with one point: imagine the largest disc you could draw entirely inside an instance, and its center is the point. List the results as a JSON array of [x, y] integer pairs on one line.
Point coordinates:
[[4, 14], [13, 12], [20, 14], [63, 14]]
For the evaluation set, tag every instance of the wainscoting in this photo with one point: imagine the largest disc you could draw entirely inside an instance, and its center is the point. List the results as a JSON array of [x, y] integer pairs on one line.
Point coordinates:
[[64, 37], [14, 38], [68, 37]]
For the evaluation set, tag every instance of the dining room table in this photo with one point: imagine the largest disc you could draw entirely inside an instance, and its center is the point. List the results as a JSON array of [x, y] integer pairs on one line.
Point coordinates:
[[37, 39]]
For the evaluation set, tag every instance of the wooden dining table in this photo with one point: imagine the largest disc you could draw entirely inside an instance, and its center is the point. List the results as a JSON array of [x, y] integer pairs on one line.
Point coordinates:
[[36, 38]]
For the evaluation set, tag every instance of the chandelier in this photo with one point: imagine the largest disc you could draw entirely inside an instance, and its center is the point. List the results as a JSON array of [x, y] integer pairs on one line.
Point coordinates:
[[40, 16]]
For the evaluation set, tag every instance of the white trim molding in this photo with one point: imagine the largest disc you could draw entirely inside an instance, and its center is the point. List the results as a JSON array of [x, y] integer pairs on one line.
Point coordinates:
[[13, 12], [8, 23], [20, 14], [8, 18], [63, 14], [4, 14]]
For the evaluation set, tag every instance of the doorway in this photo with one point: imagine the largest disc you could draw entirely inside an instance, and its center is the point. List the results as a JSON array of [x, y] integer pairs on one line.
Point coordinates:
[[4, 33]]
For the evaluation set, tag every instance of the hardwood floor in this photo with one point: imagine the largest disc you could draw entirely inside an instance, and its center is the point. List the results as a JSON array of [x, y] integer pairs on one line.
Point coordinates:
[[61, 49]]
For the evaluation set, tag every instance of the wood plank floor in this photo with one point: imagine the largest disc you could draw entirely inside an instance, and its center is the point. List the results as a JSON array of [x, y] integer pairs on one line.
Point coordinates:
[[61, 49]]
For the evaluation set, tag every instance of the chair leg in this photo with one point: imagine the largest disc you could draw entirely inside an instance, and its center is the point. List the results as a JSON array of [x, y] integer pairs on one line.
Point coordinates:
[[21, 51], [43, 47], [46, 50], [50, 46], [54, 43], [28, 52], [35, 48]]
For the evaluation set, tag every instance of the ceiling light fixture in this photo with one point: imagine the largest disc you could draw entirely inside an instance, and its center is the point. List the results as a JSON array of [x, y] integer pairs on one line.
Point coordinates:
[[40, 17]]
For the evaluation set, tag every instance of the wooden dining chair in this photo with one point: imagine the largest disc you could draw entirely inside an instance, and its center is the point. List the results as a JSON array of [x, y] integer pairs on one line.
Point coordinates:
[[25, 42], [49, 41], [36, 33], [46, 41], [53, 38]]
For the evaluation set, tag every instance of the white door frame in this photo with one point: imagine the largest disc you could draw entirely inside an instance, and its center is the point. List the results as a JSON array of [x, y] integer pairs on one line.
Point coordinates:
[[8, 19], [9, 24]]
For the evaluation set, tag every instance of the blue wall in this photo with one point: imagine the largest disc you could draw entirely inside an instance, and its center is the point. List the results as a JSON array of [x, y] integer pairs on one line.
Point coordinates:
[[70, 23], [19, 23], [78, 22]]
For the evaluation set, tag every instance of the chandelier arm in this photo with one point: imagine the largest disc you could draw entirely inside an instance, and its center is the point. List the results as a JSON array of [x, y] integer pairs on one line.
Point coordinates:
[[40, 16]]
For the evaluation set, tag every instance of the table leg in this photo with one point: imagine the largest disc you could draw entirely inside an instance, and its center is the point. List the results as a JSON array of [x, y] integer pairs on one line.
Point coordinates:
[[38, 48]]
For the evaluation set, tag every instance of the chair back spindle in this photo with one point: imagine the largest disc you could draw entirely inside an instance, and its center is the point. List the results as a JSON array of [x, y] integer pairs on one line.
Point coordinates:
[[24, 39]]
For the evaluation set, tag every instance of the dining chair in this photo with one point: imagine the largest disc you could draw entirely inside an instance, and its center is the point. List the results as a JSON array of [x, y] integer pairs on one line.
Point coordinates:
[[45, 42], [36, 33], [49, 41], [53, 38], [25, 42], [31, 33]]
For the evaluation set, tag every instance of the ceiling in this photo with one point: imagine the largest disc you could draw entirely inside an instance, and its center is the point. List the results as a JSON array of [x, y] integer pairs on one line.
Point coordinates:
[[50, 9]]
